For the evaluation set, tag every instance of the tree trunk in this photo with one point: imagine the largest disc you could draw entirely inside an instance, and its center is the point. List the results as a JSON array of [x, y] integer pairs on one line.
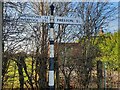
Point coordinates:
[[43, 60], [25, 69], [21, 76], [42, 74], [67, 79]]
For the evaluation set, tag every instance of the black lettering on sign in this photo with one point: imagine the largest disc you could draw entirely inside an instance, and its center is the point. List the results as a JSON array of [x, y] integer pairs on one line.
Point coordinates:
[[46, 17], [77, 21], [66, 20], [37, 17], [59, 20], [71, 20]]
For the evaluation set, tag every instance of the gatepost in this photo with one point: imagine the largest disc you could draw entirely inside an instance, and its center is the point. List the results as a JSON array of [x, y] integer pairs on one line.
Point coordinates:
[[99, 74]]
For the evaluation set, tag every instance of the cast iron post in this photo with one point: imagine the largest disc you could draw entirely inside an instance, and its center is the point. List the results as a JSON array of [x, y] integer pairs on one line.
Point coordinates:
[[51, 61]]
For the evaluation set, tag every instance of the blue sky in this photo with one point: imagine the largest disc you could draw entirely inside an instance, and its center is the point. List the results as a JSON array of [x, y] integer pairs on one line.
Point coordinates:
[[113, 25]]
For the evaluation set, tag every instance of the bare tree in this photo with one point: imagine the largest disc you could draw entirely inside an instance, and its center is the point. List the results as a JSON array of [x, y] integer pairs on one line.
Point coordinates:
[[94, 16]]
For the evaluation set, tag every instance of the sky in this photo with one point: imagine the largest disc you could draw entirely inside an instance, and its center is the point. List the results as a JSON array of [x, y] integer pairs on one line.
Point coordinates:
[[113, 25]]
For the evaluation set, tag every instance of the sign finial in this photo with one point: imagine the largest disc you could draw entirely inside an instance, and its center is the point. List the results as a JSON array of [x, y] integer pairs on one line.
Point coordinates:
[[52, 9]]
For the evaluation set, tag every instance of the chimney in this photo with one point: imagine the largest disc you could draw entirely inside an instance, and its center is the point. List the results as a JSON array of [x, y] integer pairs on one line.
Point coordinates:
[[101, 32]]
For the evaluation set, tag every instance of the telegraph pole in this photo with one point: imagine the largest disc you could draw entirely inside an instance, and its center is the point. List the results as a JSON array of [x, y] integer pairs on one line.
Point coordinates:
[[1, 44], [51, 61]]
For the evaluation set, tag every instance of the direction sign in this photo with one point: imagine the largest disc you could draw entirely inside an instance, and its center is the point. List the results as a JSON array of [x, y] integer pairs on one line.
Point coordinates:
[[46, 19], [34, 19], [66, 20]]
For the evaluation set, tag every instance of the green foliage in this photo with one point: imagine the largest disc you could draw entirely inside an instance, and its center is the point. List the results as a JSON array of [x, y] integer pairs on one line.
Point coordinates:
[[108, 45], [13, 75]]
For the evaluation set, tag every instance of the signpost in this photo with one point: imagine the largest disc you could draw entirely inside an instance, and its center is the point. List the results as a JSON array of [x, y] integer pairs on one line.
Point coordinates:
[[46, 19], [51, 61], [51, 20]]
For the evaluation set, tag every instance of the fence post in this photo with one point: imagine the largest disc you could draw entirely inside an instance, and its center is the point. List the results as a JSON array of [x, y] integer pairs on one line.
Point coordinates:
[[1, 9], [104, 76], [99, 74]]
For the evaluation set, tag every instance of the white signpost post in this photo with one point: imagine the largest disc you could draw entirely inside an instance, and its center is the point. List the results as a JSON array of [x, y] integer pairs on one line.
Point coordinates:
[[51, 20]]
